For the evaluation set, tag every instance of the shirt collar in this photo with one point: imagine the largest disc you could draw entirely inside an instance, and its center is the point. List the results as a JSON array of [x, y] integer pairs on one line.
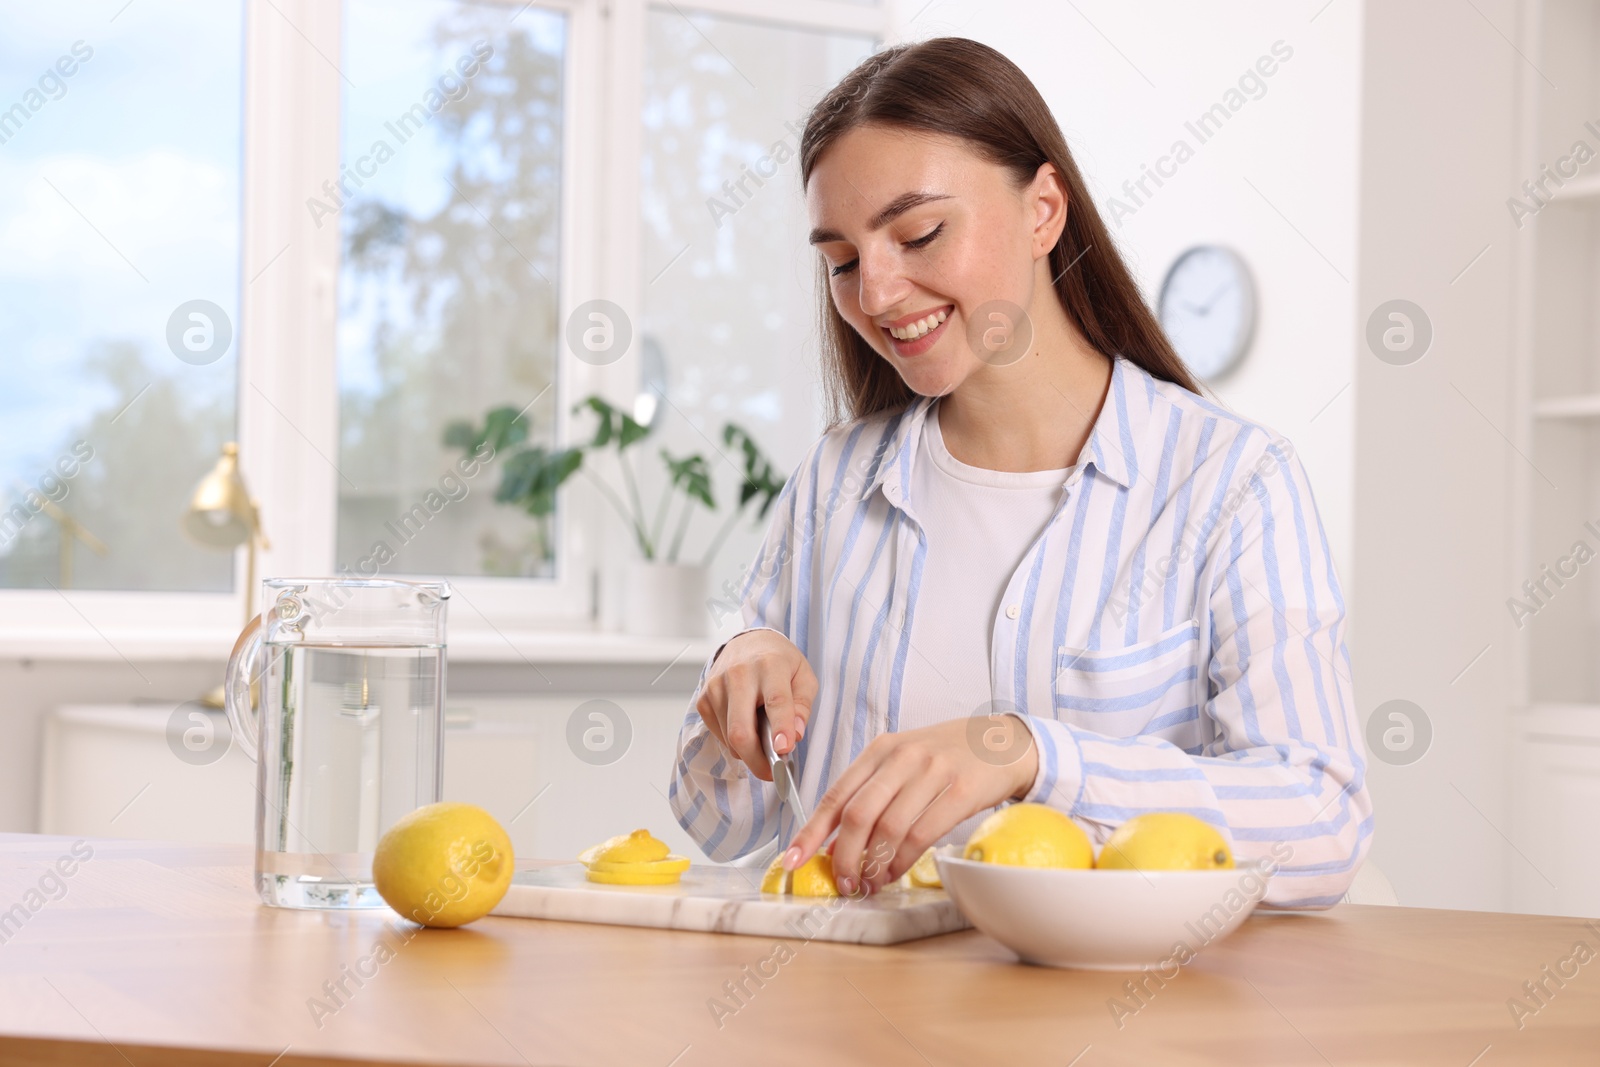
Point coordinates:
[[1116, 446]]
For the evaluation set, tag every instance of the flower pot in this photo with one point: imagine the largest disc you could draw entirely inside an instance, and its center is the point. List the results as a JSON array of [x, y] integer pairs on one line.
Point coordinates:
[[665, 599]]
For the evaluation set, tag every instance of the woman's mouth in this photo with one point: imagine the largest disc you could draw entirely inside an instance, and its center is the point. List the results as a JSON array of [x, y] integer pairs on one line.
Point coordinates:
[[917, 337]]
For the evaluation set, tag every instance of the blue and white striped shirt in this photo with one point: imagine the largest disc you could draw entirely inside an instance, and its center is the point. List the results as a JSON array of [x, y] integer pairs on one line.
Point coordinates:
[[1174, 638]]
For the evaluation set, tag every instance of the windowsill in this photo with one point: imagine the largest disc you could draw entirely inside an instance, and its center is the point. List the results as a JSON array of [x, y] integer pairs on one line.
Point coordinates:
[[509, 646]]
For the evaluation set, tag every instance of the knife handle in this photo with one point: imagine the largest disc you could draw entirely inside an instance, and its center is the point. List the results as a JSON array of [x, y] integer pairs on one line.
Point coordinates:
[[766, 737]]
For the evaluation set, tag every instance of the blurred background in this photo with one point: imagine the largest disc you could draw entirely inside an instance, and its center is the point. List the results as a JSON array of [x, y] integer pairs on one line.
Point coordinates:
[[361, 239]]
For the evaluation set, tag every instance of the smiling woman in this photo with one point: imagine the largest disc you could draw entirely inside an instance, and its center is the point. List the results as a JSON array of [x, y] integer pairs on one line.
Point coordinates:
[[973, 625]]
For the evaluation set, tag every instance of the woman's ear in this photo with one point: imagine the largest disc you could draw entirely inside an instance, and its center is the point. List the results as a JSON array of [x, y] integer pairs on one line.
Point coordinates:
[[1048, 195]]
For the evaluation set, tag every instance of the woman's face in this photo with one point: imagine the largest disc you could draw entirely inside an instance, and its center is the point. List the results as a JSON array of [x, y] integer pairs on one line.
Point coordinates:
[[916, 227]]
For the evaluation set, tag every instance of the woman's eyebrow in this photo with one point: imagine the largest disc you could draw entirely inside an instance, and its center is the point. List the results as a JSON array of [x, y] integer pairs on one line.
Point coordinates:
[[893, 210]]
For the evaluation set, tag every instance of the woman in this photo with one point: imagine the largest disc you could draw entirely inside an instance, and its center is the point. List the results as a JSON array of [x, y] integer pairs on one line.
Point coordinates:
[[1035, 563]]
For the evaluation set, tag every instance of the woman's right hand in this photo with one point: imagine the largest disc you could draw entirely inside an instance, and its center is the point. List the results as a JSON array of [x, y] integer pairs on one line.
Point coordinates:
[[758, 668]]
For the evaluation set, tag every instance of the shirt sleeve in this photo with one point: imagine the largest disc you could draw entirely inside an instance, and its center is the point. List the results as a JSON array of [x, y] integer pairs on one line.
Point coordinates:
[[727, 810], [1285, 777]]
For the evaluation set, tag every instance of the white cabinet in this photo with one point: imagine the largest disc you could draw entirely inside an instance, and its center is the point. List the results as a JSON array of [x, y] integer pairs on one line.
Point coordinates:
[[1556, 869], [1555, 517], [109, 771], [1555, 596]]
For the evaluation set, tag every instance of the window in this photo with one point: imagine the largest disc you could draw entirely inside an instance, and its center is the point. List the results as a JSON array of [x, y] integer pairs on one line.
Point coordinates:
[[450, 275], [728, 280], [206, 243], [119, 259]]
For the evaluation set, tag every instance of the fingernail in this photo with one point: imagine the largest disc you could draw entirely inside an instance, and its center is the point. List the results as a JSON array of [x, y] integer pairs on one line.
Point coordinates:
[[847, 885], [778, 741], [791, 858]]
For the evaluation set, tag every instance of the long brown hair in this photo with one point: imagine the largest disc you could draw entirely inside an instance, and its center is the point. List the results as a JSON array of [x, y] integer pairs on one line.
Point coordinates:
[[965, 89]]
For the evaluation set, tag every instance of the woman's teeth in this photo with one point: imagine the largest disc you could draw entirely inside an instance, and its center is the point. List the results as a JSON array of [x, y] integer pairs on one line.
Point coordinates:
[[922, 326]]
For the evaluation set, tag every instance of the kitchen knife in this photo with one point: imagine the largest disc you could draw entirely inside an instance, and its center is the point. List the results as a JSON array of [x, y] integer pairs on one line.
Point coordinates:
[[783, 777]]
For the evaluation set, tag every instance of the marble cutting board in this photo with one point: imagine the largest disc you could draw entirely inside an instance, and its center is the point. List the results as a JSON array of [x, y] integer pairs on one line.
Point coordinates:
[[729, 900]]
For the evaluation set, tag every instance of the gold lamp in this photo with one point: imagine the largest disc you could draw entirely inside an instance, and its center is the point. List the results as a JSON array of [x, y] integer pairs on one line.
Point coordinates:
[[222, 515], [71, 531]]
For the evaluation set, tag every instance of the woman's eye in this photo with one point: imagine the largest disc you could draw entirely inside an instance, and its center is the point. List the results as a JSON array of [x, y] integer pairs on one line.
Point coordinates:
[[923, 241], [920, 242]]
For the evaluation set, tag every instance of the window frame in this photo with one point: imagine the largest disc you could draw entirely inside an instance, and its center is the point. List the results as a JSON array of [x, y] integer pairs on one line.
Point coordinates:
[[287, 413]]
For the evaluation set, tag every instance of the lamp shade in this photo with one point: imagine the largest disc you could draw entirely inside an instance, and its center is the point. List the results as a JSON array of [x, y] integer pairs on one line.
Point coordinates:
[[220, 513]]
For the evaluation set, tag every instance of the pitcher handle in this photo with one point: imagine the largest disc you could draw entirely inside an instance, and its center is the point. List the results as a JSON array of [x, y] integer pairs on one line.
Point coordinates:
[[242, 671]]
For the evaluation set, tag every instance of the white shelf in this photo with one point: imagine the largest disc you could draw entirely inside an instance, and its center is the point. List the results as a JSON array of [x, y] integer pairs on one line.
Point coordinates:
[[1558, 722], [1578, 189], [1582, 406]]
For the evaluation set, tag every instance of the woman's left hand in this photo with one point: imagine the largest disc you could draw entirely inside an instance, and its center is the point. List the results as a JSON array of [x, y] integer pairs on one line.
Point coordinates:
[[906, 790]]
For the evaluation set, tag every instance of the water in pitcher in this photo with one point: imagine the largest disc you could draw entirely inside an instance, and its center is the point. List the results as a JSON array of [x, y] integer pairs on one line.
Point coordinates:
[[355, 749]]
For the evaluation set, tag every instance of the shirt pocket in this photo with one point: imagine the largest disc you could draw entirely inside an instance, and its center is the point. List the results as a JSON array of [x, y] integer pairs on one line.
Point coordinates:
[[1145, 688]]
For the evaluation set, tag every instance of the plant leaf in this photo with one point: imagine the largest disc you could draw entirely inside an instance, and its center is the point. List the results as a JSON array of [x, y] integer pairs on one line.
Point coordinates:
[[632, 430], [557, 468], [760, 480], [693, 475], [460, 434], [531, 477], [614, 424], [503, 428]]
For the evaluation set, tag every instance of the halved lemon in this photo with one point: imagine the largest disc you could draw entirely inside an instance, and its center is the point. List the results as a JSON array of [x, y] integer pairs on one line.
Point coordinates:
[[813, 878], [924, 874]]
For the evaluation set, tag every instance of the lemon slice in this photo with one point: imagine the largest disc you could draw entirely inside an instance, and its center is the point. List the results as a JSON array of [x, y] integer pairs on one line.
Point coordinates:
[[638, 858], [636, 847], [651, 872]]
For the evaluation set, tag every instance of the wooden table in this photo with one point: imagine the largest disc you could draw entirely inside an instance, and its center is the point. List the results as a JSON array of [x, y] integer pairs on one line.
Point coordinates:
[[161, 954]]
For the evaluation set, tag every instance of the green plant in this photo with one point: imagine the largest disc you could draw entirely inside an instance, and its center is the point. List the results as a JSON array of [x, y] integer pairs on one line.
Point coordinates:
[[531, 475]]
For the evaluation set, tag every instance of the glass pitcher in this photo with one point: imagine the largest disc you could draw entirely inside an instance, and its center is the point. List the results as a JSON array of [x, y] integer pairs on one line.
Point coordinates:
[[350, 729]]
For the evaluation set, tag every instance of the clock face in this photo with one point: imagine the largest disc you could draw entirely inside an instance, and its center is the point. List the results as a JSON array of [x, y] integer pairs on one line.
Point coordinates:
[[1208, 309]]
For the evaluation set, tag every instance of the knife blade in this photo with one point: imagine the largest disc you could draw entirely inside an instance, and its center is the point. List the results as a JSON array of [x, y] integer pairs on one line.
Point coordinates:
[[783, 777]]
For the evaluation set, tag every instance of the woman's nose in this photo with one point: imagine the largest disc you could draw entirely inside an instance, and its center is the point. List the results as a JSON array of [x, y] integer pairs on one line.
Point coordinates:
[[883, 286]]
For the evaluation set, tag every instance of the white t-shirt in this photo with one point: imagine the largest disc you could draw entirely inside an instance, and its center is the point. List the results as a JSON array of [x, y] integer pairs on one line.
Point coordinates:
[[979, 523]]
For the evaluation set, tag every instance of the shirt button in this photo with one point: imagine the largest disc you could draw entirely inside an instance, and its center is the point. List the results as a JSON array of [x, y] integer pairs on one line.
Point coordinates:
[[900, 618], [1013, 611]]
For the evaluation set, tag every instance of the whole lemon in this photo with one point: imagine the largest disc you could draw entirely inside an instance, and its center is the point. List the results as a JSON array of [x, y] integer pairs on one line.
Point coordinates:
[[1165, 841], [444, 864], [1030, 835]]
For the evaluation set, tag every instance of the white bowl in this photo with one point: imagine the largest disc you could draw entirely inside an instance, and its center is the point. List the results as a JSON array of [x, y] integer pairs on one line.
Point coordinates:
[[1102, 920]]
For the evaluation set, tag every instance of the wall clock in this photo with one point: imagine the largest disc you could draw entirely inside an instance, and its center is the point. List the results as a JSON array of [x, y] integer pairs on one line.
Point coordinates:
[[1208, 309]]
